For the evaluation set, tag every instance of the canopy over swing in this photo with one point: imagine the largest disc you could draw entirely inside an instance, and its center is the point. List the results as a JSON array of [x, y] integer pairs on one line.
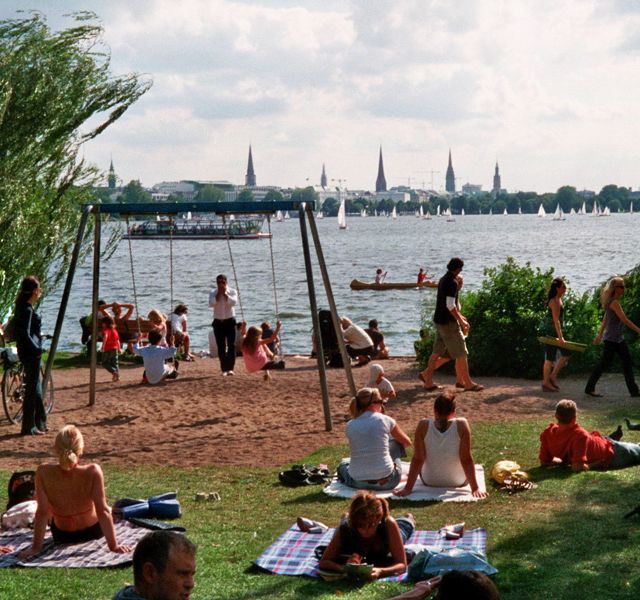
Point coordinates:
[[125, 210]]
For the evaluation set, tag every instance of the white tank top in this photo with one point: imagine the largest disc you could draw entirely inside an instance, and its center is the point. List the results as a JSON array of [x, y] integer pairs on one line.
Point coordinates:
[[443, 467]]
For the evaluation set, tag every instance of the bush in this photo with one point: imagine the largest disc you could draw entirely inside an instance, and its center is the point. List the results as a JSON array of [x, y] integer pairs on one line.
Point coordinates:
[[505, 314]]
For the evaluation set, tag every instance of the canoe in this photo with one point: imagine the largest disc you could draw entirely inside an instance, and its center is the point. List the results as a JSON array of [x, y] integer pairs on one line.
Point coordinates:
[[356, 284], [573, 346]]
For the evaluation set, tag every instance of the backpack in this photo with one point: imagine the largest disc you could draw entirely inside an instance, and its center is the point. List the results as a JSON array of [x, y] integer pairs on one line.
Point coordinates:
[[22, 487], [10, 330]]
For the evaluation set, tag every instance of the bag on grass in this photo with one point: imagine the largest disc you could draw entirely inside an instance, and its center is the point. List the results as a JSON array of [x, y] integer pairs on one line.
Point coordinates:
[[22, 487]]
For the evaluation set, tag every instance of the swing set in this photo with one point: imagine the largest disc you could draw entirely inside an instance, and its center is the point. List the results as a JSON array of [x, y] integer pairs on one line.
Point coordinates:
[[224, 210]]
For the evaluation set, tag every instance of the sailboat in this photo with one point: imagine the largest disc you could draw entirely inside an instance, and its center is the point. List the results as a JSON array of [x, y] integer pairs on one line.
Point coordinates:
[[342, 216], [462, 212], [279, 217], [541, 212], [491, 211], [449, 216], [320, 215], [504, 212], [519, 210], [427, 217], [394, 215], [558, 215], [605, 212], [286, 214], [438, 211], [421, 211], [363, 212], [572, 211], [583, 208], [631, 207]]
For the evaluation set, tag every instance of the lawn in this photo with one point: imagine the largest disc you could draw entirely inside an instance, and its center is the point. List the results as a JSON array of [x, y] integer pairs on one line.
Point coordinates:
[[566, 539]]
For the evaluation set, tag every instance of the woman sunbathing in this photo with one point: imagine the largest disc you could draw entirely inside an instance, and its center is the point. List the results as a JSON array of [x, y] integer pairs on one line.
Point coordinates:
[[376, 445], [442, 452], [71, 497], [369, 535]]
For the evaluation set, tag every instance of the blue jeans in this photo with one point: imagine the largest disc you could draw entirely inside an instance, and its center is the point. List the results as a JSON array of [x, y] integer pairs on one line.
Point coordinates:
[[396, 451], [625, 454]]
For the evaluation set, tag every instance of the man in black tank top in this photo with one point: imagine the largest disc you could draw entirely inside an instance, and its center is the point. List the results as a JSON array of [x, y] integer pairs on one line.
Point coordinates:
[[451, 329]]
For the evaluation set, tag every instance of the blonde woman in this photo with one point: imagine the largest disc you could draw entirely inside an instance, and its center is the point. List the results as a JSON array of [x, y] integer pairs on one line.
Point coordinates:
[[612, 334], [71, 498], [159, 323]]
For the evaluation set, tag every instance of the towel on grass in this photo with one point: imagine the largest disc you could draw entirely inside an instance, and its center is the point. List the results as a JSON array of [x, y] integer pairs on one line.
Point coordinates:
[[292, 553], [91, 554], [420, 492]]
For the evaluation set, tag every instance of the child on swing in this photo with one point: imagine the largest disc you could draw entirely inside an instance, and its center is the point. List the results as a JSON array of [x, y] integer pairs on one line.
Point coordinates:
[[256, 353], [110, 346]]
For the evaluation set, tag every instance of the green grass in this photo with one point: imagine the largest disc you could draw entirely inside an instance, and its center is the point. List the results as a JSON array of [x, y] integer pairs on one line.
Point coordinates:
[[566, 539]]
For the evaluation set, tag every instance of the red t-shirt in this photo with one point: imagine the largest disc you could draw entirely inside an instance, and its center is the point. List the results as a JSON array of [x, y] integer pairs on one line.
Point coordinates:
[[574, 444], [110, 339]]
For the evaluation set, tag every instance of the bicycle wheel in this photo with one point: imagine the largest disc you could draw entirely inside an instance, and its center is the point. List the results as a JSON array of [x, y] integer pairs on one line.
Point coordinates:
[[13, 392], [48, 399]]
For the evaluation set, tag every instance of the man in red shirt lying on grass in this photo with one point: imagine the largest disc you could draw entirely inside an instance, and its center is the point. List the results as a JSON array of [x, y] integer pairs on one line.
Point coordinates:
[[568, 443]]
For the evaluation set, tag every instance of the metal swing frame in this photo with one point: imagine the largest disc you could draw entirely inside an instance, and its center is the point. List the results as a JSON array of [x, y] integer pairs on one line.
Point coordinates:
[[125, 210]]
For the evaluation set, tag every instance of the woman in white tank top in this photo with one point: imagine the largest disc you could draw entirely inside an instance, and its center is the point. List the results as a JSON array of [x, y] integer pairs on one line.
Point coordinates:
[[442, 450]]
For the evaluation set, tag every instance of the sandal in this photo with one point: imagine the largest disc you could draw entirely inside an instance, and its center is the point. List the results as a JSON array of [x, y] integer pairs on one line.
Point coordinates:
[[476, 387]]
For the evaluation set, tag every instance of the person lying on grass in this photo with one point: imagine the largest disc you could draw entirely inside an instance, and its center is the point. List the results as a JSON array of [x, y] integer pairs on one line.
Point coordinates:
[[565, 442], [442, 450], [454, 585], [376, 445], [369, 535], [71, 499]]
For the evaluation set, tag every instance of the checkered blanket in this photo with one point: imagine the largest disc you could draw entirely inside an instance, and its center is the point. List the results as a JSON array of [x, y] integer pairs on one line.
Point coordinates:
[[420, 493], [89, 554], [292, 553]]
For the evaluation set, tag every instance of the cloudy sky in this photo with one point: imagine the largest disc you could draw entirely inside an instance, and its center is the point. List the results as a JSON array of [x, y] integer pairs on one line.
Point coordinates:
[[549, 89]]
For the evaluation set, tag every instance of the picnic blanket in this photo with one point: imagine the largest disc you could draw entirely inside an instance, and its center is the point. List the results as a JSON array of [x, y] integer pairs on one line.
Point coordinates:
[[93, 554], [421, 492], [292, 553]]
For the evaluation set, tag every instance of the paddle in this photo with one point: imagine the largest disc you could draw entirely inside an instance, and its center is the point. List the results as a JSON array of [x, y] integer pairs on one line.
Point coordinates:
[[573, 346]]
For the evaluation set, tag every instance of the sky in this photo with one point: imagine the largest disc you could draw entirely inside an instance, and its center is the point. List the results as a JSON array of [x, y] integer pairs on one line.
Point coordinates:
[[548, 89]]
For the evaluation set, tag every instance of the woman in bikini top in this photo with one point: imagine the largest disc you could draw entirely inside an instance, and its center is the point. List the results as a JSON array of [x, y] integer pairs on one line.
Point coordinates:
[[71, 498]]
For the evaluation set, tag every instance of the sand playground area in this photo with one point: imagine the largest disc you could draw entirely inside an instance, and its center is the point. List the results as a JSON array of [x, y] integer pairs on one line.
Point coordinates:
[[203, 418]]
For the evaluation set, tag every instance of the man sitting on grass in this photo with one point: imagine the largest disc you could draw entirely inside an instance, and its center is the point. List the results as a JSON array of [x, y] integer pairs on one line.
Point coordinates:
[[154, 356], [568, 443], [164, 565]]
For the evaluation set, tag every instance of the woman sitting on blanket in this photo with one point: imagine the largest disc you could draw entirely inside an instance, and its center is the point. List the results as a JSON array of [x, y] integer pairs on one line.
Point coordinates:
[[442, 450], [376, 445], [370, 535], [71, 498]]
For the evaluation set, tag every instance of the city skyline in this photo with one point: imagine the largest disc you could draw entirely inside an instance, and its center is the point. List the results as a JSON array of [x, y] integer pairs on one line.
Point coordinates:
[[546, 89]]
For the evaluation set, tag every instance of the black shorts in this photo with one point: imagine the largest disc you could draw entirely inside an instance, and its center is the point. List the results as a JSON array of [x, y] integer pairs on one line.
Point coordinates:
[[94, 532], [551, 352]]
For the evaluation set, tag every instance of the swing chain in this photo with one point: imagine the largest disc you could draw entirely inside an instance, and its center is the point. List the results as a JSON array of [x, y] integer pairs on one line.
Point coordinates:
[[133, 275], [171, 260], [233, 265]]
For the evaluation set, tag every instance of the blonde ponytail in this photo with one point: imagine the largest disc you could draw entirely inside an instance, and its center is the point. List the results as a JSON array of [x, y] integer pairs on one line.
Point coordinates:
[[69, 446]]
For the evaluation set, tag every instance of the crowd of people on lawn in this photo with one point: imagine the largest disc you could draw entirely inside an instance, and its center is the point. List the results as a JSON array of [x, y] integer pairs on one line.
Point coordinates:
[[71, 496]]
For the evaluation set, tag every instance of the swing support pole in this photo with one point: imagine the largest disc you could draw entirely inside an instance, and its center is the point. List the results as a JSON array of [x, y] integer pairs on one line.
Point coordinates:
[[346, 361], [94, 304], [316, 322]]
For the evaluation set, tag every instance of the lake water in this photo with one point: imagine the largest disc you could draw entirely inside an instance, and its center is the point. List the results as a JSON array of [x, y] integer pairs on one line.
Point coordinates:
[[584, 249]]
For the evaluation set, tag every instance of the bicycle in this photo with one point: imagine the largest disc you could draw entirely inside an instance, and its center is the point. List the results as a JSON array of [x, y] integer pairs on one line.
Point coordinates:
[[13, 384]]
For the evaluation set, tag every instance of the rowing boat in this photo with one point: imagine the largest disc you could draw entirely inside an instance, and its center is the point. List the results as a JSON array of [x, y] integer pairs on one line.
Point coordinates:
[[356, 284]]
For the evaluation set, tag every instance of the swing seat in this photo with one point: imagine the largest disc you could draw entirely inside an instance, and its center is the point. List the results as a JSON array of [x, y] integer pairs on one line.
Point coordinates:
[[128, 330]]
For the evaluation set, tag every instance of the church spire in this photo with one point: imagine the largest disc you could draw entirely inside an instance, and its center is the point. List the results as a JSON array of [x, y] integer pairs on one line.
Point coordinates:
[[381, 182], [450, 181], [111, 178], [497, 185], [323, 178], [250, 177]]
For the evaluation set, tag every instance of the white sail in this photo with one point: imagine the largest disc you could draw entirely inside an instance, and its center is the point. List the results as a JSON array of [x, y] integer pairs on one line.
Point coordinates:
[[394, 215], [519, 210], [450, 217], [558, 214], [279, 216], [491, 211], [189, 216], [462, 212], [606, 212], [342, 216], [363, 212], [583, 209], [541, 212], [505, 213], [595, 211], [421, 212], [320, 215], [428, 216], [375, 212], [438, 211], [572, 211], [631, 207], [286, 214]]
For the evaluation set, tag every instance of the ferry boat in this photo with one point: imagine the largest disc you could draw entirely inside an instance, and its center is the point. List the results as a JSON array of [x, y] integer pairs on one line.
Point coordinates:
[[247, 228]]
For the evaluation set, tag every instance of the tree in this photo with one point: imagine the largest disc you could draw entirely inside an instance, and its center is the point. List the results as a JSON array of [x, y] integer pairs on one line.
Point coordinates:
[[307, 194], [56, 92], [245, 196], [134, 192], [330, 207], [273, 196], [568, 198], [210, 193]]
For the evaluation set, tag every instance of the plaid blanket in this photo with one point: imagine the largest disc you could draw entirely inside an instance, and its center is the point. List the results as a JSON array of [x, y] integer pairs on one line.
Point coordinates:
[[421, 492], [292, 552], [89, 554]]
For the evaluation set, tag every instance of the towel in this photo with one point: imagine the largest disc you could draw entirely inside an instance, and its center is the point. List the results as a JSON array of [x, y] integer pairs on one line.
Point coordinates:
[[421, 492], [292, 553]]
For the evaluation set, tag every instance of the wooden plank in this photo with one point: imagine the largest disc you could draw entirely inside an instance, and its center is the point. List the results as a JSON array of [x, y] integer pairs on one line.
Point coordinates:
[[573, 346]]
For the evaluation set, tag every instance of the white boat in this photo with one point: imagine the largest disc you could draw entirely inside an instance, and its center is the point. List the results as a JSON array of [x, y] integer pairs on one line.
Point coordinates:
[[558, 215], [320, 215], [583, 208], [189, 216], [462, 212], [438, 211], [394, 215], [286, 214], [572, 211], [427, 217], [519, 210], [279, 217], [375, 212], [595, 211], [363, 212], [342, 216], [541, 212], [504, 212], [421, 212], [605, 212], [490, 211], [631, 207], [449, 216]]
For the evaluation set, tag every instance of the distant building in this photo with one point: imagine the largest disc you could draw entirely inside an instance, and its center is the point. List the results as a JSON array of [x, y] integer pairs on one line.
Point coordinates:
[[471, 189], [395, 194], [381, 182], [250, 177], [496, 181], [111, 178], [323, 178], [450, 181], [186, 190]]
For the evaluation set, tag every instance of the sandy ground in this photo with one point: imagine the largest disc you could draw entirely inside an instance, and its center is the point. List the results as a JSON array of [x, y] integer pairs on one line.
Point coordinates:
[[203, 418]]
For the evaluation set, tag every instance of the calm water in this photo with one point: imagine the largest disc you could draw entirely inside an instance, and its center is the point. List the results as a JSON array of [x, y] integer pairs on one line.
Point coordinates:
[[585, 249]]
